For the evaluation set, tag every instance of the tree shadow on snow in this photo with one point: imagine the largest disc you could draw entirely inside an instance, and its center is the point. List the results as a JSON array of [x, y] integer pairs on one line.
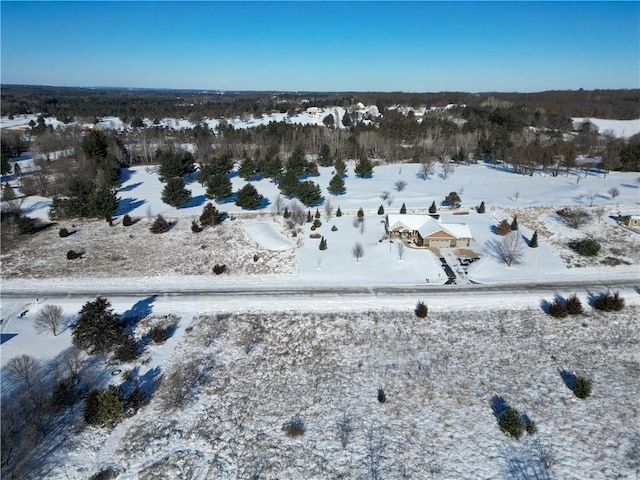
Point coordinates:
[[128, 188], [499, 405], [125, 175], [140, 309], [194, 202], [128, 205], [546, 305], [569, 378]]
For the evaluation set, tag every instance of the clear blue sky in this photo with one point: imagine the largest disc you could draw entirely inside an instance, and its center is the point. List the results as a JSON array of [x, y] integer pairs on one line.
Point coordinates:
[[323, 46]]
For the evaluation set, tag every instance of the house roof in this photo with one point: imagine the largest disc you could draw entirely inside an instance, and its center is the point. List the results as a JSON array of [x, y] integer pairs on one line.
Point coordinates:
[[426, 225]]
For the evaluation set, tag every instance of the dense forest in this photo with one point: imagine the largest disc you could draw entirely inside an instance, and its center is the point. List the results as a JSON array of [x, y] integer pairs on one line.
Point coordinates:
[[64, 102]]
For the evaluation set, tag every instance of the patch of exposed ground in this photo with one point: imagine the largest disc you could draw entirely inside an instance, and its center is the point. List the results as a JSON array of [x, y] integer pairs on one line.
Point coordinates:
[[134, 251]]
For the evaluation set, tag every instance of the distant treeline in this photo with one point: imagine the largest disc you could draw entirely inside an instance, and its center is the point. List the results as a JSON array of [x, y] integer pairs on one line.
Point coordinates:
[[67, 103]]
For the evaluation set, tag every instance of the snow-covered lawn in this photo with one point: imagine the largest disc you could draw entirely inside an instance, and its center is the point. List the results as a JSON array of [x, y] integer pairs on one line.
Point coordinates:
[[324, 357]]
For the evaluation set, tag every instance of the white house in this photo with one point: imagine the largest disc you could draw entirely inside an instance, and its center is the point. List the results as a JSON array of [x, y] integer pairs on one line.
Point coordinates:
[[426, 231]]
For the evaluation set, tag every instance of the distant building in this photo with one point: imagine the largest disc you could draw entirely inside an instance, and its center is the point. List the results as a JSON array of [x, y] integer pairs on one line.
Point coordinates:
[[630, 220], [425, 231]]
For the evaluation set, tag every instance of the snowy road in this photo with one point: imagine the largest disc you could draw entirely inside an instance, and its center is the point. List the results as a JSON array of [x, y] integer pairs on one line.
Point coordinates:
[[285, 296]]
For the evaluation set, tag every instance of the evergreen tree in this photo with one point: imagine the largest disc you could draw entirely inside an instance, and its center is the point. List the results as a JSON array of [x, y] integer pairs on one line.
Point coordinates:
[[514, 224], [364, 167], [175, 193], [346, 119], [317, 215], [219, 187], [360, 213], [8, 193], [453, 199], [98, 329], [26, 225], [210, 216], [340, 166], [338, 212], [309, 193], [248, 197], [324, 157], [271, 166], [312, 169], [297, 162], [309, 217], [105, 408], [403, 209], [286, 213], [481, 208], [323, 244], [432, 208], [381, 210], [289, 184], [248, 168], [533, 243], [174, 163], [336, 185]]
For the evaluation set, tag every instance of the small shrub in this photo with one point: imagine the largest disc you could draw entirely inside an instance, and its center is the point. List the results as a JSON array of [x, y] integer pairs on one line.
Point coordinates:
[[587, 247], [530, 427], [315, 235], [63, 232], [421, 310], [159, 334], [219, 269], [557, 308], [127, 221], [382, 397], [159, 225], [26, 225], [574, 306], [294, 428], [317, 223], [581, 387], [334, 229], [323, 244], [137, 399], [360, 213], [503, 228], [195, 228], [107, 474], [511, 423], [128, 350], [338, 212], [72, 255], [608, 302]]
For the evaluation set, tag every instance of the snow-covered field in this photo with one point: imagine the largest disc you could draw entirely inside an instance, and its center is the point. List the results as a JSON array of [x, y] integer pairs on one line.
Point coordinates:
[[322, 357]]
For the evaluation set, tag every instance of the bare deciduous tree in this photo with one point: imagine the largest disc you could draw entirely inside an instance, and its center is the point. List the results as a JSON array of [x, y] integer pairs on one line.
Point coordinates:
[[328, 209], [24, 368], [400, 185], [509, 249], [426, 168], [298, 213], [357, 251], [574, 217], [614, 192], [599, 212], [345, 428], [447, 169], [50, 318], [591, 196], [358, 222], [278, 203]]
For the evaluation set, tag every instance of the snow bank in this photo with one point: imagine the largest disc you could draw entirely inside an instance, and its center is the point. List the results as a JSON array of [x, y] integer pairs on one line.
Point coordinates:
[[265, 236]]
